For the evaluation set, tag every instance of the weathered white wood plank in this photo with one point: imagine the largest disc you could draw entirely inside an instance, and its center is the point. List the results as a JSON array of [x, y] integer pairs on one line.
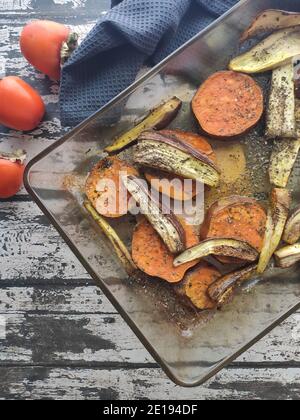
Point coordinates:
[[79, 324], [33, 5], [70, 339], [85, 339], [104, 384], [61, 300], [32, 249], [7, 5]]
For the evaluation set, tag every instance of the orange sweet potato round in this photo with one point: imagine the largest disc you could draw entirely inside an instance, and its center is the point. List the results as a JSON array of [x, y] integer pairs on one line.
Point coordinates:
[[104, 187], [194, 287], [228, 104], [235, 217], [152, 257]]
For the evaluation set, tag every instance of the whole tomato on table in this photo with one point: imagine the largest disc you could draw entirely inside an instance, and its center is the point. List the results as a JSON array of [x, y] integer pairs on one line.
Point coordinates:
[[21, 106], [11, 173], [47, 45]]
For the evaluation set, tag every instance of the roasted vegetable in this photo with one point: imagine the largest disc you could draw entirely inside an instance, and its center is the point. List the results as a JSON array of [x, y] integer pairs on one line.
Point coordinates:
[[119, 247], [105, 189], [285, 150], [161, 218], [273, 52], [228, 104], [236, 217], [174, 156], [288, 256], [174, 186], [152, 256], [194, 140], [271, 20], [157, 119], [291, 233], [195, 285], [223, 289], [221, 246], [280, 201], [284, 155], [281, 120]]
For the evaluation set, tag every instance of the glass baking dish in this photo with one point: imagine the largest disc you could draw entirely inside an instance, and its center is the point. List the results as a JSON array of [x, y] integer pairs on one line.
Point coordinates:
[[190, 348]]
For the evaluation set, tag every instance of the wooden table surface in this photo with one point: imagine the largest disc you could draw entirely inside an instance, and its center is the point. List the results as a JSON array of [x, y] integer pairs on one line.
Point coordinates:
[[64, 339]]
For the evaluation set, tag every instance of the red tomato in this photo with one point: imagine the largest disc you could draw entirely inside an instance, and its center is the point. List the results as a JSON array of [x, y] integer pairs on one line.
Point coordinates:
[[41, 42], [11, 177], [21, 107]]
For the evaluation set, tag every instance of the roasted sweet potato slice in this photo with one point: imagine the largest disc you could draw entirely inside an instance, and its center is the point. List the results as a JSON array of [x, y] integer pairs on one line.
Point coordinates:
[[151, 255], [194, 287], [174, 187], [198, 142], [228, 104], [105, 189], [236, 217]]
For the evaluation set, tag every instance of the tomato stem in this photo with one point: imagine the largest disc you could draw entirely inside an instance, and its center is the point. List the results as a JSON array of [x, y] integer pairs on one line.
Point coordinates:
[[69, 47]]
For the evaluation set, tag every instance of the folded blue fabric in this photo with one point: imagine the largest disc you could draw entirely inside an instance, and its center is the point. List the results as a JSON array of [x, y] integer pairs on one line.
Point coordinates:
[[129, 35]]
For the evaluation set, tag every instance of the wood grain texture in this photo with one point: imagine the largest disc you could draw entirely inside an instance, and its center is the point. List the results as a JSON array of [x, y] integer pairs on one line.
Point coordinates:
[[64, 339], [55, 6], [148, 384], [67, 325], [30, 248]]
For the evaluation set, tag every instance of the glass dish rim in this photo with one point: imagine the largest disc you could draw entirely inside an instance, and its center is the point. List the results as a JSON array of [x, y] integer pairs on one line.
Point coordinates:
[[96, 277]]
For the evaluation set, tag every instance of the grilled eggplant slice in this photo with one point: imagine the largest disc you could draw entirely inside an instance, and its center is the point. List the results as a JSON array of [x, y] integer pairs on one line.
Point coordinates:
[[171, 155], [288, 256], [273, 52], [282, 162], [223, 289], [291, 233], [219, 246], [117, 243], [285, 150], [271, 20], [281, 119], [158, 119], [161, 218], [280, 202]]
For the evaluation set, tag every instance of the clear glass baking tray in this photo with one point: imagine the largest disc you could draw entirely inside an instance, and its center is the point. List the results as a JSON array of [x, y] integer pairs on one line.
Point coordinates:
[[190, 347]]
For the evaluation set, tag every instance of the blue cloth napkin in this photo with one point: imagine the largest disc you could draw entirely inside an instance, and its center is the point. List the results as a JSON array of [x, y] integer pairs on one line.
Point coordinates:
[[132, 33]]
